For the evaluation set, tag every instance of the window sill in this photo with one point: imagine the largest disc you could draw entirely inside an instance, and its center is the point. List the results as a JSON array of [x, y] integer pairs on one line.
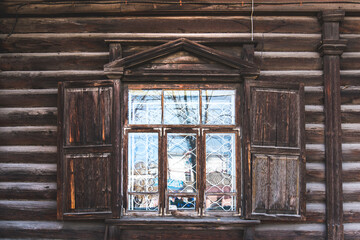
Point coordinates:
[[215, 223]]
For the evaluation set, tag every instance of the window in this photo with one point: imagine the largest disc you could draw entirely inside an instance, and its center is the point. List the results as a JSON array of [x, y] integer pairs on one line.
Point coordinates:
[[208, 140], [182, 149]]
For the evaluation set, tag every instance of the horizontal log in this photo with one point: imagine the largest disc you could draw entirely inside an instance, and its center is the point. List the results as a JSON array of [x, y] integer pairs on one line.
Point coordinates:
[[28, 98], [301, 231], [315, 153], [314, 114], [352, 231], [351, 191], [351, 152], [309, 78], [350, 24], [53, 61], [95, 42], [27, 210], [28, 190], [350, 61], [96, 61], [350, 94], [353, 41], [351, 212], [351, 132], [315, 172], [52, 229], [314, 133], [171, 7], [314, 95], [351, 171], [350, 113], [49, 79], [21, 172], [28, 154], [38, 135], [45, 79], [28, 116], [166, 24], [315, 192], [315, 212], [349, 77]]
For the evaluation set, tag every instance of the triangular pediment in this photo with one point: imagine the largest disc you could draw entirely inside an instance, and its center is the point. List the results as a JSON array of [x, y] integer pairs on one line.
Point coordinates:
[[185, 49]]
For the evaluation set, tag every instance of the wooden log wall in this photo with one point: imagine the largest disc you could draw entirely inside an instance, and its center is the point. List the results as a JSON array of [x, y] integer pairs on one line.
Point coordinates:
[[350, 116], [42, 50]]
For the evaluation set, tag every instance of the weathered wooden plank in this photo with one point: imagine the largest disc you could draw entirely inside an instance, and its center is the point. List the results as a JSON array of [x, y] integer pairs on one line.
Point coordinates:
[[44, 135], [351, 212], [351, 191], [53, 61], [314, 114], [171, 7], [290, 231], [350, 113], [28, 116], [350, 61], [350, 24], [315, 212], [95, 42], [315, 172], [351, 231], [350, 94], [350, 133], [167, 24], [96, 61], [314, 133], [349, 77], [28, 154], [28, 98], [309, 78], [52, 229], [315, 153], [315, 192], [351, 171], [314, 95], [22, 172], [351, 152], [44, 79], [353, 42], [28, 190], [27, 210]]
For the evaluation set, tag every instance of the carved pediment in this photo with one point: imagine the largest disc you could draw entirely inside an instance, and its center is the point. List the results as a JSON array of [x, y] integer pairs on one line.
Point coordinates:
[[181, 56]]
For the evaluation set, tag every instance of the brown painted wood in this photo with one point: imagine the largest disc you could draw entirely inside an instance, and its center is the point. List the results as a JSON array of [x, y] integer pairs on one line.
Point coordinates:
[[333, 141]]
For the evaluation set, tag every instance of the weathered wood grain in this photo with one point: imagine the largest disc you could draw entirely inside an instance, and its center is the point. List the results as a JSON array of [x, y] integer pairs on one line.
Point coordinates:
[[350, 24], [290, 231], [28, 190], [28, 116], [27, 210], [28, 154], [171, 7], [52, 229], [95, 42], [23, 172], [28, 98], [28, 135], [168, 24]]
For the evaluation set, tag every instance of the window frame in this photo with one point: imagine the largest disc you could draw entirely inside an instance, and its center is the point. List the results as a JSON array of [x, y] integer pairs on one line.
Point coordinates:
[[201, 130]]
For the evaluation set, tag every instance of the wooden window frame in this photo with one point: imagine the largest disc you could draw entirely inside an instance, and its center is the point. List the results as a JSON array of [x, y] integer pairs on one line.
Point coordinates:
[[200, 130]]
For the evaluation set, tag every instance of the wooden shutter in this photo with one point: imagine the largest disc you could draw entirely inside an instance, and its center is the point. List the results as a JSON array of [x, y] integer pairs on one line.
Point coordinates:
[[88, 146], [274, 147]]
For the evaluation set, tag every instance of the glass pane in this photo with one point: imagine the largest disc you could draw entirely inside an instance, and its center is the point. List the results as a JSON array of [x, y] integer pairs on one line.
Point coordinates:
[[181, 155], [144, 106], [220, 162], [220, 203], [143, 202], [218, 107], [181, 203], [143, 162], [181, 107]]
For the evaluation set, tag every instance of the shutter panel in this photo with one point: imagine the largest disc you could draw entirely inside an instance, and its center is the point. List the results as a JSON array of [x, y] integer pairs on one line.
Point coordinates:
[[274, 143], [88, 145]]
